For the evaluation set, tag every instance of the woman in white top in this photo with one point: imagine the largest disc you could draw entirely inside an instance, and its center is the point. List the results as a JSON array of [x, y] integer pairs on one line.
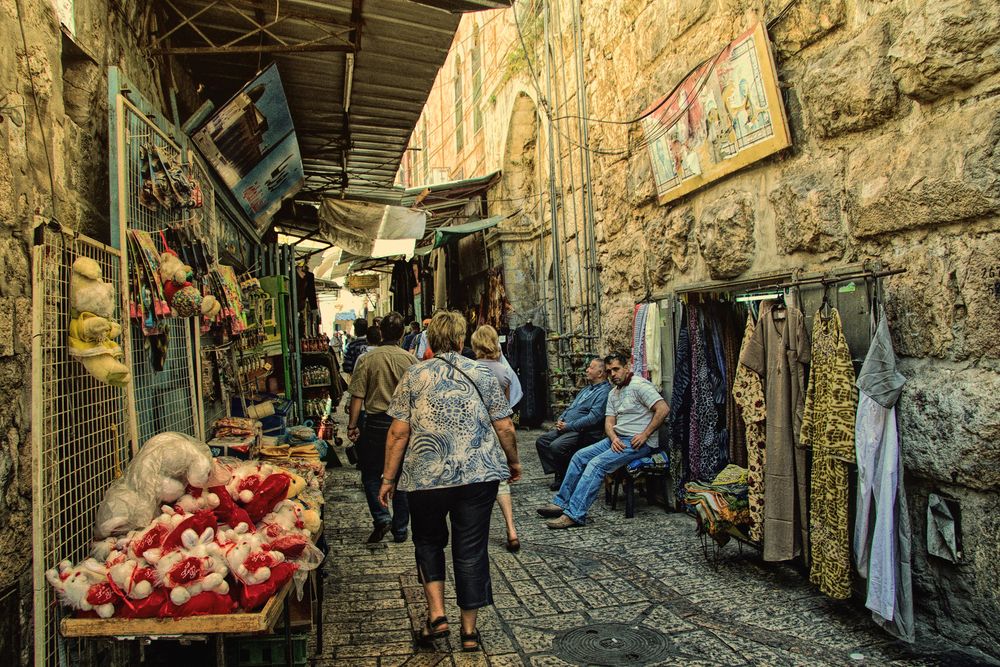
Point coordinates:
[[486, 345]]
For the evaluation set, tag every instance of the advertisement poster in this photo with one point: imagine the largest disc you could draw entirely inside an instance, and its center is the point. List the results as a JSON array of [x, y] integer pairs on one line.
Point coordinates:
[[726, 114], [251, 143]]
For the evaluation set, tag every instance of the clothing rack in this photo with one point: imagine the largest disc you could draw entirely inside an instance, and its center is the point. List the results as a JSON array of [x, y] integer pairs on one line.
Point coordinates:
[[785, 279]]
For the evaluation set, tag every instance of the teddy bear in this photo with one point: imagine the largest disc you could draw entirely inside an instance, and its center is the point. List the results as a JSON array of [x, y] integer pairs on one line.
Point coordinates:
[[258, 570], [184, 299], [84, 587], [160, 472], [92, 333]]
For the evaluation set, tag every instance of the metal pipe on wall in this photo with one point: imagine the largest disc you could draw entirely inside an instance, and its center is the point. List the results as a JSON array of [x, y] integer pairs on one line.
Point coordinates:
[[585, 156], [556, 264]]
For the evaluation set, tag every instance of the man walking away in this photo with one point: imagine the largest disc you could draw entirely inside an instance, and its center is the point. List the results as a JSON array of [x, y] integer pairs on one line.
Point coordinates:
[[372, 385], [358, 346], [634, 412], [581, 424]]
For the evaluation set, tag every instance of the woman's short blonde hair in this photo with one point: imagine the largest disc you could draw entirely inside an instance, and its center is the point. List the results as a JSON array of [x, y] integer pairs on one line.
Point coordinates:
[[446, 332], [486, 343]]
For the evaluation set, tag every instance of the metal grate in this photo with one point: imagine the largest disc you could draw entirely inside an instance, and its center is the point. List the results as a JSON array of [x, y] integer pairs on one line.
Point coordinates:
[[165, 400], [79, 433]]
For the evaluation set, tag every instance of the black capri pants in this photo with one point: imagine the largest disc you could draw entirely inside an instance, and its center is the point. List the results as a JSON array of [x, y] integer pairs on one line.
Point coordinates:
[[470, 507]]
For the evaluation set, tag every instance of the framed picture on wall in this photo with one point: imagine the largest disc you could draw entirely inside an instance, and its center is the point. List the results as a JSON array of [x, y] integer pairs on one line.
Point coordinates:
[[725, 115]]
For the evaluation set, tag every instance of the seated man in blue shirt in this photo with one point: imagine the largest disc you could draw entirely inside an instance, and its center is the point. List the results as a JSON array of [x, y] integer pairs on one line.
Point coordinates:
[[581, 424]]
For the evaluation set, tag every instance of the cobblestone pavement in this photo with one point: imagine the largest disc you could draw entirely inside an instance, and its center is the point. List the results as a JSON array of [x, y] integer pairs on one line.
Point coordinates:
[[555, 599]]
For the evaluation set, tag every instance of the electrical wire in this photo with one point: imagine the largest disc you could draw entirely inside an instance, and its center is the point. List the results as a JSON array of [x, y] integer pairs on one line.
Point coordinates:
[[38, 113]]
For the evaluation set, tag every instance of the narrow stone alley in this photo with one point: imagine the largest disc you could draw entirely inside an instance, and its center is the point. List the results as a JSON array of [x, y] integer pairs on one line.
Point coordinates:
[[620, 592]]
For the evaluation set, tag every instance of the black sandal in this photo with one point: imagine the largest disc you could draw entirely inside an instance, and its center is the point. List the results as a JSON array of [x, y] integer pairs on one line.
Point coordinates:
[[427, 634], [471, 637]]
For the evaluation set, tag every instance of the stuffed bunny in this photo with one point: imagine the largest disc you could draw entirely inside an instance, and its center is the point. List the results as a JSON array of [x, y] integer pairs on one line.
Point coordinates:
[[197, 566], [84, 587]]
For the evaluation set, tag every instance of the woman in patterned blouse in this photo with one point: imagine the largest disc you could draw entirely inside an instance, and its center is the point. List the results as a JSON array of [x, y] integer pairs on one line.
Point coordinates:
[[452, 423]]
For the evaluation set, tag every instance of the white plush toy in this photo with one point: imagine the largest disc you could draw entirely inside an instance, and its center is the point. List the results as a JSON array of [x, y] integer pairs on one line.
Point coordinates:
[[160, 472], [196, 567], [84, 587], [92, 333]]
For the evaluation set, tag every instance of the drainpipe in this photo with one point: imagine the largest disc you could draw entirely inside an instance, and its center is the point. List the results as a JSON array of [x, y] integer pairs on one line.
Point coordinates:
[[556, 264]]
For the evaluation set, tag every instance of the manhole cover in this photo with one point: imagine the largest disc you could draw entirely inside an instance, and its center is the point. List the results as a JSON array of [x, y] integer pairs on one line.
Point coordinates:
[[612, 644]]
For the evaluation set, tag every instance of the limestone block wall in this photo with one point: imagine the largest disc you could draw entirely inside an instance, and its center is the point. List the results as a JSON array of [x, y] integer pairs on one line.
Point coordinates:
[[894, 109], [67, 106]]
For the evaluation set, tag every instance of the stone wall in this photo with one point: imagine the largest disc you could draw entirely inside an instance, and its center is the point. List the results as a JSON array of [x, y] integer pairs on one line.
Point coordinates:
[[894, 109], [53, 104]]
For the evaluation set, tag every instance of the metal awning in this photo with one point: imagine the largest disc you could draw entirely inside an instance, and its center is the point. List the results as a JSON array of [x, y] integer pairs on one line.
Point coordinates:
[[356, 73], [445, 235]]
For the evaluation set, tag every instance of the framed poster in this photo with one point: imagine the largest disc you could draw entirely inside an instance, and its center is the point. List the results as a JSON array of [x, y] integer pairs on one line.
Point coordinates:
[[726, 114], [251, 144]]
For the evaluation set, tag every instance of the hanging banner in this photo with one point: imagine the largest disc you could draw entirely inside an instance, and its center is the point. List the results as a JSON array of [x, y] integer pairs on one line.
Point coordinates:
[[362, 281], [725, 115], [251, 143]]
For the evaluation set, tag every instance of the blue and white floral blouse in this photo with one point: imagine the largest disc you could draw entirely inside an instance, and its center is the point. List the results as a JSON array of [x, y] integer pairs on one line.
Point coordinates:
[[452, 441]]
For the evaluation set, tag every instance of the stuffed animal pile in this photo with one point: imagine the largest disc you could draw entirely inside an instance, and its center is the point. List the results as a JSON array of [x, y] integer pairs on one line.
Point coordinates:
[[228, 536], [92, 332], [184, 299]]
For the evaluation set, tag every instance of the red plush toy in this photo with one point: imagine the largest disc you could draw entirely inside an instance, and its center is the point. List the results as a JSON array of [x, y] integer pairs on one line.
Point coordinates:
[[266, 494], [228, 512], [252, 596]]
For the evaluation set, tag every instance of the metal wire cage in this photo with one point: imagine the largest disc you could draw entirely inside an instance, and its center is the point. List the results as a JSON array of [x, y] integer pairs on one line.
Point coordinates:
[[80, 434], [167, 399]]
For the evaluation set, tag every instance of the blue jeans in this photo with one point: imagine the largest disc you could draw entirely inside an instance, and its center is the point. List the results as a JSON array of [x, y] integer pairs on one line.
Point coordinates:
[[400, 517], [586, 472]]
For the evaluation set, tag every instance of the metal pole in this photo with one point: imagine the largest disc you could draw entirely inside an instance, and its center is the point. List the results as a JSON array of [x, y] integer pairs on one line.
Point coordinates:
[[556, 264], [584, 110], [577, 231]]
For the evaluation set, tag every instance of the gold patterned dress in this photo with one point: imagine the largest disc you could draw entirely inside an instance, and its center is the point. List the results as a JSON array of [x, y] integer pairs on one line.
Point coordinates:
[[748, 393], [828, 428]]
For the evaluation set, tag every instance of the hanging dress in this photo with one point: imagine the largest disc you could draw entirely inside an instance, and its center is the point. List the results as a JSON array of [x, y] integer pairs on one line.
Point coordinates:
[[882, 548], [748, 393], [828, 428], [703, 456], [680, 406], [778, 352]]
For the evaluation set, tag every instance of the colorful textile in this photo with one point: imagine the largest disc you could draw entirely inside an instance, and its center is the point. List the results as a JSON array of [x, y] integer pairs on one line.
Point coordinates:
[[778, 352], [720, 507], [703, 457], [748, 393], [652, 345], [639, 317], [828, 428], [680, 405]]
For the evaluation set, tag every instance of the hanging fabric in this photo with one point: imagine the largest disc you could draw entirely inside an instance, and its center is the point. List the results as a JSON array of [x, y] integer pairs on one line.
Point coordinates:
[[639, 316], [528, 359], [703, 450], [778, 352], [732, 338], [828, 429], [748, 393], [652, 345], [680, 406], [882, 547]]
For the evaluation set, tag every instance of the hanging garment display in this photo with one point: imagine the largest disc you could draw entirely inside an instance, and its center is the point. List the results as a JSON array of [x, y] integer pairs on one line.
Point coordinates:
[[680, 406], [703, 451], [882, 543], [639, 316], [401, 288], [652, 345], [828, 429], [748, 394], [732, 337], [305, 289], [778, 352], [528, 359]]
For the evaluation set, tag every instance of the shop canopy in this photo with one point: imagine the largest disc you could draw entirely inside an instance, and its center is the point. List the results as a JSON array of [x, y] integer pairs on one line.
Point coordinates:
[[445, 235], [356, 74]]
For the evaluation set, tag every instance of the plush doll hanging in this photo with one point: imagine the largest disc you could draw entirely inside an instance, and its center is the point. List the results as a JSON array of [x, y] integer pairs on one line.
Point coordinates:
[[92, 332], [184, 298]]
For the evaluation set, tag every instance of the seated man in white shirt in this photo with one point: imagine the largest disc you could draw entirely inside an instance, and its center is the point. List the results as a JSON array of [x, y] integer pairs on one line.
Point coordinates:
[[634, 412]]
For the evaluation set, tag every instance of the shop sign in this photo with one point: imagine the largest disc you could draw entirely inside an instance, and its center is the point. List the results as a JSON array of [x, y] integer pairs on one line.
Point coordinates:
[[64, 10], [251, 143], [364, 281]]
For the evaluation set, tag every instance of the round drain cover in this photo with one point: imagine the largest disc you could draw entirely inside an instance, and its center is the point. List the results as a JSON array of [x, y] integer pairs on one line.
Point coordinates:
[[612, 644]]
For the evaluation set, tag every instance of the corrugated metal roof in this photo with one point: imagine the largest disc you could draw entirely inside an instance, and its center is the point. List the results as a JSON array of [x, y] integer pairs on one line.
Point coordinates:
[[398, 47]]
